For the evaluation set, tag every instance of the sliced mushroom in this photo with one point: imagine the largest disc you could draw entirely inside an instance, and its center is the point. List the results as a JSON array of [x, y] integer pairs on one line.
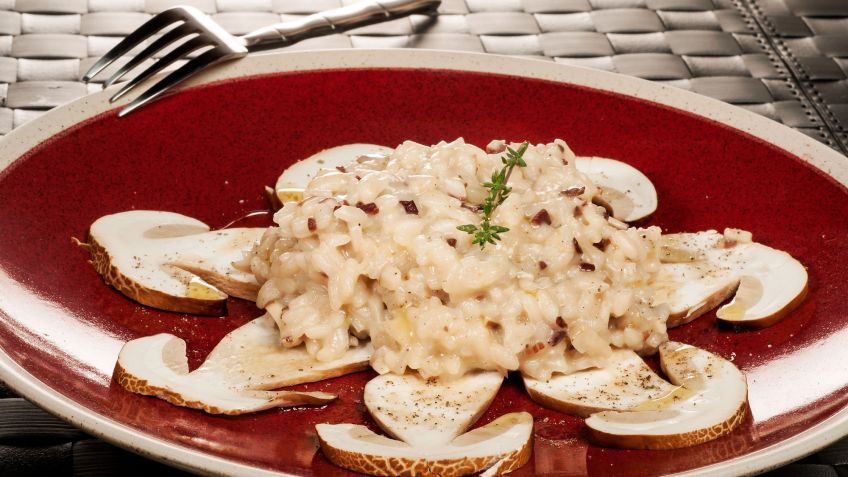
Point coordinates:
[[710, 403], [704, 269], [251, 357], [170, 261], [773, 284], [157, 366], [625, 192], [623, 383], [505, 443], [293, 180], [429, 413]]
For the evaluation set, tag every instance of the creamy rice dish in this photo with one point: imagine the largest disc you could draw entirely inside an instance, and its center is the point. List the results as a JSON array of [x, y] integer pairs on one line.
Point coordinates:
[[373, 252]]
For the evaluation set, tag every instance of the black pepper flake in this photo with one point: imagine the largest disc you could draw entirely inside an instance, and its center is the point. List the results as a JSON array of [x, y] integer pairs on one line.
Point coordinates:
[[341, 169], [452, 242], [602, 245], [542, 265], [578, 212], [577, 247], [369, 208], [541, 217], [311, 225], [573, 191], [493, 326], [556, 337], [560, 322], [409, 206], [587, 267]]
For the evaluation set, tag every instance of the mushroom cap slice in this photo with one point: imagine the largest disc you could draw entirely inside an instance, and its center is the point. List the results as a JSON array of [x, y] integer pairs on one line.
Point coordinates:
[[251, 357], [170, 261], [710, 403], [157, 366], [416, 410], [505, 442], [627, 193], [703, 269], [693, 278], [291, 182], [773, 283], [625, 382]]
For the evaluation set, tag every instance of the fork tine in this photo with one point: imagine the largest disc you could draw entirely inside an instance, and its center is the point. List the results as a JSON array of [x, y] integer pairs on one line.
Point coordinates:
[[149, 27], [163, 41], [182, 50], [203, 61]]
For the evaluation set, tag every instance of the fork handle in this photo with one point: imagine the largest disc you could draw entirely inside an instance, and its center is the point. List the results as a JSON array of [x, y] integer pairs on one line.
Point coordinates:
[[333, 21]]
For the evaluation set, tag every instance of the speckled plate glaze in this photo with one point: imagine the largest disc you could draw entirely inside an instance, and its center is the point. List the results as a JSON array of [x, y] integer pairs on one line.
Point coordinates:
[[208, 151]]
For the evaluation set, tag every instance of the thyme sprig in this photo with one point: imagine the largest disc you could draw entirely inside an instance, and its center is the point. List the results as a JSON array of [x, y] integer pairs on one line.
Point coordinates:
[[487, 232]]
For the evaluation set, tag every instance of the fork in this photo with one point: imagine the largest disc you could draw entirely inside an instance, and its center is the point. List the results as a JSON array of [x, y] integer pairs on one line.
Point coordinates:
[[200, 32]]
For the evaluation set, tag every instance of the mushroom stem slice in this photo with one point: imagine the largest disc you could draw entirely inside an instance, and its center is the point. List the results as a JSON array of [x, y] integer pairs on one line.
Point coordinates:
[[251, 357], [157, 366], [170, 261], [624, 191], [703, 269], [625, 382], [710, 403], [505, 442], [291, 182], [429, 413]]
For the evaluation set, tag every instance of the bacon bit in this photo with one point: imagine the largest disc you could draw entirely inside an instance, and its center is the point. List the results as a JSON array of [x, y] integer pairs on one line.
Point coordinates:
[[556, 337], [535, 348], [452, 242], [602, 245], [369, 208], [445, 328], [565, 162], [409, 206], [337, 208], [311, 225], [605, 213], [587, 267], [729, 243], [560, 322], [561, 149], [472, 208], [542, 265], [541, 217], [577, 247], [493, 326], [341, 169], [578, 211], [573, 191], [358, 178]]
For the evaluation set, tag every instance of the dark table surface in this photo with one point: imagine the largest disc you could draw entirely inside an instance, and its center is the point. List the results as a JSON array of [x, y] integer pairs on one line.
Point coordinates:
[[784, 59]]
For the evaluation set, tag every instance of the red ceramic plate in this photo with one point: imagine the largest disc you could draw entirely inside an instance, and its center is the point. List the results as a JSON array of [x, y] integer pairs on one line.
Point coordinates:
[[207, 153]]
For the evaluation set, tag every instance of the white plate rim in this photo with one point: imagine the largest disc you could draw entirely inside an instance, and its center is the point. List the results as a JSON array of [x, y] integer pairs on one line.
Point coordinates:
[[27, 136]]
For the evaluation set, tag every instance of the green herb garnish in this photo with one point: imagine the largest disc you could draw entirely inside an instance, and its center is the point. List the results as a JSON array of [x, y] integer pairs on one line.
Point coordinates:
[[487, 232]]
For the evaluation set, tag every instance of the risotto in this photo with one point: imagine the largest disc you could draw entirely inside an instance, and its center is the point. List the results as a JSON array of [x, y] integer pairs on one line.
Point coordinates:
[[373, 252]]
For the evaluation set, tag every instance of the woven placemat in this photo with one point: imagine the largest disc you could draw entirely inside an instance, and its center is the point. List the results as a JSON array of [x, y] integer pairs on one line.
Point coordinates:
[[784, 59]]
